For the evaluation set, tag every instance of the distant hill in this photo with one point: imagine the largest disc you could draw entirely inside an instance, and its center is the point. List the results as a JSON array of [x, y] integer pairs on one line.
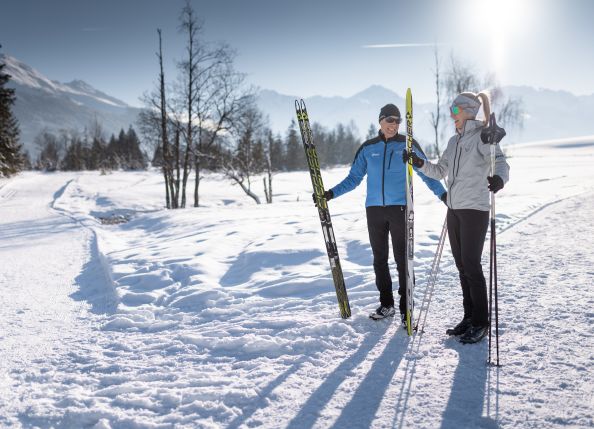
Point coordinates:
[[42, 103], [548, 114]]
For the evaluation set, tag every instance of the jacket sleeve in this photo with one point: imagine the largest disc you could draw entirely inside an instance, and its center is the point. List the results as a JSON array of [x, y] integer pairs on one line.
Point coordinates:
[[501, 165], [355, 176], [440, 170], [433, 184]]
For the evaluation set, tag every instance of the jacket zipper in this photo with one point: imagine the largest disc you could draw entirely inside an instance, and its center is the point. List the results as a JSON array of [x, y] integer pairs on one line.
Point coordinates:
[[384, 173], [390, 162], [454, 168]]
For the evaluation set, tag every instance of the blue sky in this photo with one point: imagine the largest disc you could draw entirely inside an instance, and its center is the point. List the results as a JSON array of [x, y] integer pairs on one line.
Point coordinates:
[[309, 47]]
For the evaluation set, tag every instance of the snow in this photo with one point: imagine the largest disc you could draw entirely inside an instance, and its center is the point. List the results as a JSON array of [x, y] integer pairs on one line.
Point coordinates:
[[225, 316]]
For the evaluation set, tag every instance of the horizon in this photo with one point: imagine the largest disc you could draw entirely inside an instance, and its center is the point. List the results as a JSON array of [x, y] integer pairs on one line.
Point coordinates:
[[338, 55]]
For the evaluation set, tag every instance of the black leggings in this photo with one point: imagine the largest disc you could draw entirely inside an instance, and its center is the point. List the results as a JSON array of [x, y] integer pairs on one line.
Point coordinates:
[[381, 222], [467, 230]]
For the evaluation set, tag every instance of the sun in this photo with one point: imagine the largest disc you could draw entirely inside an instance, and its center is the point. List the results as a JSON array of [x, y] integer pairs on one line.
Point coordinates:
[[502, 21]]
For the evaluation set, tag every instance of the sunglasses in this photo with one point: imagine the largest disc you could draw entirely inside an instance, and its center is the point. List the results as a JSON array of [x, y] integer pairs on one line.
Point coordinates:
[[455, 110], [392, 119]]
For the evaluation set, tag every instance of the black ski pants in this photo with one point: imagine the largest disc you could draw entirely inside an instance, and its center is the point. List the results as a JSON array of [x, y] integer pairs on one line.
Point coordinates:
[[383, 222], [467, 230]]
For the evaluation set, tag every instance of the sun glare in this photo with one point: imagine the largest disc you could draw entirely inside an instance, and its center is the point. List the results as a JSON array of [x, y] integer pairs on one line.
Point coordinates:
[[502, 21]]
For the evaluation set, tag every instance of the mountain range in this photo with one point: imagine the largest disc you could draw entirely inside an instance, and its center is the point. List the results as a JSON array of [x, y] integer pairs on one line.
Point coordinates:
[[547, 114], [44, 104]]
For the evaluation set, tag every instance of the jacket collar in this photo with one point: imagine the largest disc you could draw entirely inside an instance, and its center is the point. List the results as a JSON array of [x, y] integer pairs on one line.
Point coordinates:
[[470, 125], [396, 138]]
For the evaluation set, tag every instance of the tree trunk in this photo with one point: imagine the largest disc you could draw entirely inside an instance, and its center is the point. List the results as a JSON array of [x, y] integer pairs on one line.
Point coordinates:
[[177, 167]]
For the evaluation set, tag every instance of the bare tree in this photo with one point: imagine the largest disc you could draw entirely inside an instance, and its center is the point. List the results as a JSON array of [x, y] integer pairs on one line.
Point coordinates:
[[437, 115], [241, 163], [156, 116], [268, 164], [208, 97], [226, 99], [460, 78]]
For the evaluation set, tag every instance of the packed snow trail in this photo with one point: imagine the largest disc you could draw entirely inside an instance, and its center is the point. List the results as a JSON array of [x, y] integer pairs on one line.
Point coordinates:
[[44, 298]]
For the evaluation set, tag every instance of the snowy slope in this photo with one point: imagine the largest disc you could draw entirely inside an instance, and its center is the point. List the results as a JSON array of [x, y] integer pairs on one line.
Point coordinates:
[[225, 316]]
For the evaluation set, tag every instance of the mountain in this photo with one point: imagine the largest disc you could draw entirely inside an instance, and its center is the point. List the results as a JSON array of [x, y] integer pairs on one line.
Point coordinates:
[[44, 104], [548, 114]]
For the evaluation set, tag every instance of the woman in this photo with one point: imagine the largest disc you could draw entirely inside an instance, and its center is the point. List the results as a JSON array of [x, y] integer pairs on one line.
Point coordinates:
[[466, 163]]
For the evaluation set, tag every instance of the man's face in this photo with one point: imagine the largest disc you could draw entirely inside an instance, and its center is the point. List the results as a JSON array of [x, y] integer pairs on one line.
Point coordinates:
[[389, 126]]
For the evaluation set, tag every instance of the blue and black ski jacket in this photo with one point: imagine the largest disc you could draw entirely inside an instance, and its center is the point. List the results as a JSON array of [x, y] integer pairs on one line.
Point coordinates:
[[382, 161]]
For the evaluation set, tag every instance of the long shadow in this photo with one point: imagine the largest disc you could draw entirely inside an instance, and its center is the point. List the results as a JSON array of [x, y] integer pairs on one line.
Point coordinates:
[[467, 398], [95, 287], [407, 380], [362, 408], [249, 410], [310, 411]]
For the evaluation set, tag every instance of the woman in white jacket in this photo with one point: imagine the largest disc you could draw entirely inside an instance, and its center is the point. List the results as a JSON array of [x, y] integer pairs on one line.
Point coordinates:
[[466, 164]]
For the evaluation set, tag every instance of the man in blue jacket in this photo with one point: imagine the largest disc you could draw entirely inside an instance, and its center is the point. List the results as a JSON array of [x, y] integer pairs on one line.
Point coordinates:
[[380, 159]]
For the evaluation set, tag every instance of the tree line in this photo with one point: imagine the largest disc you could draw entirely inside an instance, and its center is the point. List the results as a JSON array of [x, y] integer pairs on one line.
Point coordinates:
[[69, 150]]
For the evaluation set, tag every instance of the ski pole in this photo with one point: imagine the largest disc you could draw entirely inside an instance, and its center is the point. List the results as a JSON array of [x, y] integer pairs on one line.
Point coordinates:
[[428, 295], [493, 250]]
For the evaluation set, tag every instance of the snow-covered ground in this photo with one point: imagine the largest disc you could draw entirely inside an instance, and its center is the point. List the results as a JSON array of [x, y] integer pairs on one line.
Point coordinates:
[[225, 316]]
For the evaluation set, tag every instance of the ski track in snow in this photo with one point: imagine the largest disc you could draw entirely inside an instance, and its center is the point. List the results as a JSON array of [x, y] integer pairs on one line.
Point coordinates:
[[226, 317]]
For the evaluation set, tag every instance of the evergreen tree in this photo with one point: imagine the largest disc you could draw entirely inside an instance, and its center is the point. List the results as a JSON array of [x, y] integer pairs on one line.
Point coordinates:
[[75, 158], [11, 158], [136, 159], [113, 158], [97, 155], [295, 156], [276, 151]]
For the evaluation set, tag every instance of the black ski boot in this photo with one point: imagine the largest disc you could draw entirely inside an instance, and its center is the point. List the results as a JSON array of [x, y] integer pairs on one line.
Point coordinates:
[[474, 334], [460, 328]]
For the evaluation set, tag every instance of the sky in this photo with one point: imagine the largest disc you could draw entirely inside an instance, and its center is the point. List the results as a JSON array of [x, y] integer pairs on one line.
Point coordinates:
[[310, 47]]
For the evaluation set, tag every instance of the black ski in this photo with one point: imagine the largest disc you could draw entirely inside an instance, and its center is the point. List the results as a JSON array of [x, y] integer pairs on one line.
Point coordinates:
[[318, 186]]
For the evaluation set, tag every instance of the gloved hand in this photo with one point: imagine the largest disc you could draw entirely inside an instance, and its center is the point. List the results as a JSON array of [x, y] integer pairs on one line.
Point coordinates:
[[444, 198], [328, 195], [492, 133], [416, 161], [495, 183]]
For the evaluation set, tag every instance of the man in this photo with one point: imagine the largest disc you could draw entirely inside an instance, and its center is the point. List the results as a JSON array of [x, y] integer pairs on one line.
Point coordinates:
[[385, 204]]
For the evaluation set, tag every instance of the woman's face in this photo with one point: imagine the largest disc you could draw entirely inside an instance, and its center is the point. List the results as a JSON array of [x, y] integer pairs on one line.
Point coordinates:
[[459, 116]]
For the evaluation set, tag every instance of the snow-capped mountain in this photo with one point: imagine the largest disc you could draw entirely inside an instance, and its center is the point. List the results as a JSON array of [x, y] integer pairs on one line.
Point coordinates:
[[548, 114], [43, 104]]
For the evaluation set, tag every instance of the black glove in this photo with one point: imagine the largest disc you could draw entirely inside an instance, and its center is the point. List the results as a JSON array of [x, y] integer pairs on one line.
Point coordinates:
[[493, 133], [416, 161], [495, 183], [444, 198], [328, 195]]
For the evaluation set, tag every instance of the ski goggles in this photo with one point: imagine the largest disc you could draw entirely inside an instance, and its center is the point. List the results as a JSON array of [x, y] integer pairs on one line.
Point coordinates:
[[392, 119], [455, 110]]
